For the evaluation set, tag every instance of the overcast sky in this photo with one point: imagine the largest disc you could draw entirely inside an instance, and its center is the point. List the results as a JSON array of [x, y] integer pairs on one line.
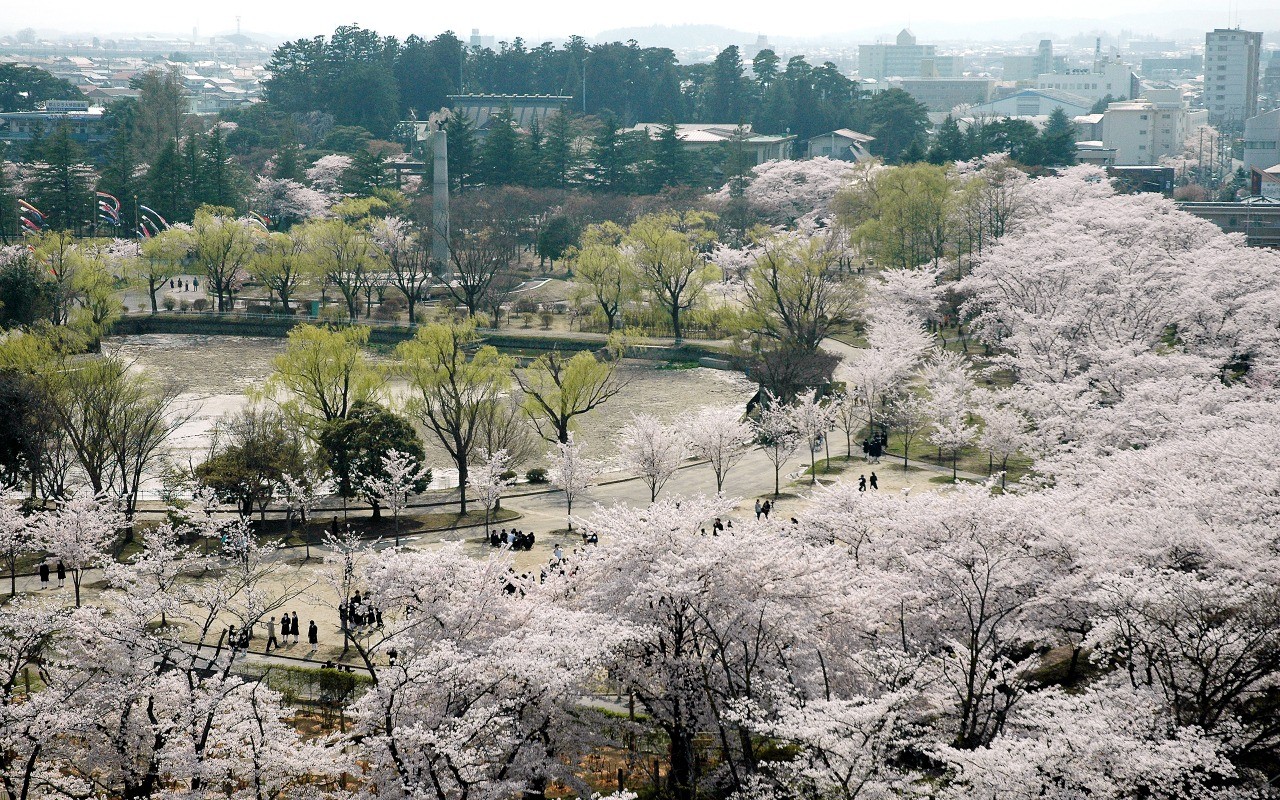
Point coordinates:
[[541, 20]]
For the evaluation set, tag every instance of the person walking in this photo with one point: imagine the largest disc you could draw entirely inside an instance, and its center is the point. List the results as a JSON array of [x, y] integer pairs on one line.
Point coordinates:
[[293, 627], [862, 483], [758, 508], [557, 554], [271, 636], [313, 635], [875, 482], [44, 574], [766, 508], [62, 574]]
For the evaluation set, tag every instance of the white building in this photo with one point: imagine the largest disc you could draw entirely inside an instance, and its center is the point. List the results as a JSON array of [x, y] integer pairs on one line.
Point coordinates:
[[1145, 130], [698, 136], [842, 144], [1231, 58], [1112, 78], [1034, 103], [1262, 141], [905, 59]]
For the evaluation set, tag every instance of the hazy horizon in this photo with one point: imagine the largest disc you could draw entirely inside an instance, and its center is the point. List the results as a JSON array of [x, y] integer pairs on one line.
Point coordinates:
[[929, 19]]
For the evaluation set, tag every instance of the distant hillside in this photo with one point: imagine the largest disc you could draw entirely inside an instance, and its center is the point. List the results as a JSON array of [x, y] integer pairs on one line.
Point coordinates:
[[678, 37]]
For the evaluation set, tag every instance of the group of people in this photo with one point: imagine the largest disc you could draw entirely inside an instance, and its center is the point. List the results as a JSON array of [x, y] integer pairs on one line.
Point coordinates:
[[183, 285], [516, 540], [763, 508], [359, 614], [44, 574], [862, 482], [289, 633]]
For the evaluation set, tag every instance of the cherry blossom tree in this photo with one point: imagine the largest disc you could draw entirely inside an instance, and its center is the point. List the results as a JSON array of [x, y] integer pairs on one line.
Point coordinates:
[[652, 449], [812, 419], [488, 480], [721, 437], [571, 472], [403, 474], [15, 539], [325, 174], [78, 533], [778, 436]]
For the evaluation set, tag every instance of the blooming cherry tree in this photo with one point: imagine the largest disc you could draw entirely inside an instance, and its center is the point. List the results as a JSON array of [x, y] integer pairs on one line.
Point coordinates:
[[720, 436], [571, 472], [651, 449]]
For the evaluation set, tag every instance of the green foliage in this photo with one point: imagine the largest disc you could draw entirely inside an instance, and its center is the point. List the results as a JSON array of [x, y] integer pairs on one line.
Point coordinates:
[[353, 447], [537, 475], [61, 183], [254, 450], [21, 88]]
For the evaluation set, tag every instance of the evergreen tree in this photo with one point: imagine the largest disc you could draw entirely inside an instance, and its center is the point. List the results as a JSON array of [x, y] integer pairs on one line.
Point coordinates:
[[166, 185], [898, 121], [118, 177], [727, 98], [670, 162], [948, 144], [367, 173], [1058, 141], [216, 171], [461, 133], [8, 202], [61, 183], [535, 159], [559, 162], [612, 157], [287, 166], [503, 160]]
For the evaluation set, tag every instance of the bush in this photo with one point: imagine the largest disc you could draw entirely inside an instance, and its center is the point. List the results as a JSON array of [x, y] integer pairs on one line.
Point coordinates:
[[526, 305], [185, 306], [169, 303], [389, 309], [536, 475], [200, 304], [508, 475], [547, 317], [334, 313], [560, 308]]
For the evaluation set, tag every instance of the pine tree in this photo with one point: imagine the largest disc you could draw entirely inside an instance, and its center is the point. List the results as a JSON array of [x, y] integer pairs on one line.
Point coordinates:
[[61, 184], [216, 172], [366, 173], [670, 162], [559, 162], [503, 160], [949, 144], [461, 133], [166, 184], [612, 156], [8, 202], [1058, 141]]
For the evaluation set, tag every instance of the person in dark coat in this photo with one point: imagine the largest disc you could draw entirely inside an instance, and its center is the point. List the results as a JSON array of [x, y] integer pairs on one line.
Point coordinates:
[[766, 508], [293, 627], [875, 482], [44, 574], [313, 635], [62, 574], [862, 483]]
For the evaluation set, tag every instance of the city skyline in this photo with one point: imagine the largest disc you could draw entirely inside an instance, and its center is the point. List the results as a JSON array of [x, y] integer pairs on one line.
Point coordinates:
[[995, 19]]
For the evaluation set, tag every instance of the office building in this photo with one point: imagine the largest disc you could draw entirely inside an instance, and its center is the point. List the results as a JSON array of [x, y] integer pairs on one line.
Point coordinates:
[[1231, 61], [905, 59]]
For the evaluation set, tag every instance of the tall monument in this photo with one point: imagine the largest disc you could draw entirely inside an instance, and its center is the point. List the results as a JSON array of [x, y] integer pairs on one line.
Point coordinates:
[[440, 199]]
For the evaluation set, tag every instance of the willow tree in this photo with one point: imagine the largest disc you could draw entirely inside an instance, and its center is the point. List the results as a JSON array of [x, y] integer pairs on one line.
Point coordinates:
[[606, 270], [454, 390], [322, 374], [223, 246], [795, 294], [558, 388], [283, 264], [670, 259]]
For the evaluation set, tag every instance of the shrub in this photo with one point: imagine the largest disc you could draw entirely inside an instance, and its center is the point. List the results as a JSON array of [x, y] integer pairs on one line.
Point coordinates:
[[169, 303], [200, 304], [508, 475], [526, 305], [536, 475], [185, 306], [547, 317], [334, 313]]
